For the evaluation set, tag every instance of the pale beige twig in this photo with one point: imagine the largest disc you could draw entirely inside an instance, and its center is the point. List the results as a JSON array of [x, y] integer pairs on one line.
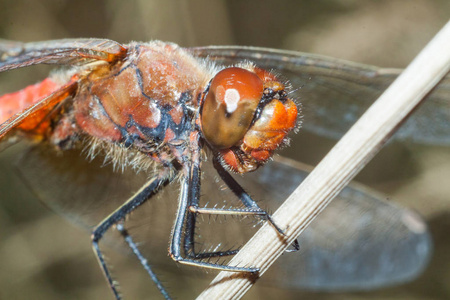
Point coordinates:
[[338, 167]]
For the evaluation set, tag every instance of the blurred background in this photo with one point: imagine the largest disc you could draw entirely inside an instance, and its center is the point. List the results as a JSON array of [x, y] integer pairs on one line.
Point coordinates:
[[42, 256]]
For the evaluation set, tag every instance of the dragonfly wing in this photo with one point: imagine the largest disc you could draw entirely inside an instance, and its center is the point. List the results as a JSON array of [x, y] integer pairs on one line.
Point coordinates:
[[63, 52], [335, 93], [69, 183], [360, 241]]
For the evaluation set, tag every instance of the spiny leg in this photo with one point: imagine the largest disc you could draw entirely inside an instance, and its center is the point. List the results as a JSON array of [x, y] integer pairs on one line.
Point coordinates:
[[189, 236], [189, 196], [295, 245], [252, 208], [189, 241], [127, 237], [146, 192], [244, 197]]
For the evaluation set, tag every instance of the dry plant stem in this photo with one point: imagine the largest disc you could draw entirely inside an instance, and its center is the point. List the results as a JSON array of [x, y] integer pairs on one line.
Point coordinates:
[[336, 170]]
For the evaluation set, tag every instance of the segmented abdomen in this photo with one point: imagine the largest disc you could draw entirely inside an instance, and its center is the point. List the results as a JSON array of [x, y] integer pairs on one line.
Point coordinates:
[[13, 103]]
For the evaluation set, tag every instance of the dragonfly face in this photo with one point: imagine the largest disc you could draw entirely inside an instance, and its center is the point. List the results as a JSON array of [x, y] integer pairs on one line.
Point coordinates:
[[110, 101]]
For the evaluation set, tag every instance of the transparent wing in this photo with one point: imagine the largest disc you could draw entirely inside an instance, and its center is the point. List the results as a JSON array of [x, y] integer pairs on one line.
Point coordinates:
[[359, 242], [335, 93], [63, 52], [83, 191]]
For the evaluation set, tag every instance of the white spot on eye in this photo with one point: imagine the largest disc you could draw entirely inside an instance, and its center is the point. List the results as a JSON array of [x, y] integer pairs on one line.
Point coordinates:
[[231, 99]]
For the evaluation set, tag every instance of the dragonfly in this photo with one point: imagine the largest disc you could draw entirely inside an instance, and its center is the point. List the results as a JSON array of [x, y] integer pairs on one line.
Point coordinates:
[[160, 109]]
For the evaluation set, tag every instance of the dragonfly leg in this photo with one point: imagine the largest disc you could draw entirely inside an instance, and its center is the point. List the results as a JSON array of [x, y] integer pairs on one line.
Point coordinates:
[[189, 240], [247, 200], [295, 245], [189, 196], [252, 208], [245, 212], [189, 237], [145, 193], [227, 211], [244, 197], [127, 237]]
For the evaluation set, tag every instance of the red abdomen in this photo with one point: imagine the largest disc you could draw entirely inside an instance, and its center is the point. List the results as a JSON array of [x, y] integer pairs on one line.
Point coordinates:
[[15, 103]]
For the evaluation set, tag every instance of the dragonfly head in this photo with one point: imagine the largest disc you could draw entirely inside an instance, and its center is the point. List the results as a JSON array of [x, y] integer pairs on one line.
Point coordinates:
[[245, 115]]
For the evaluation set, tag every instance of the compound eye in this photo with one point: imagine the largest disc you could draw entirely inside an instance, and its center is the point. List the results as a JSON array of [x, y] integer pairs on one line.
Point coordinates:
[[229, 106]]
